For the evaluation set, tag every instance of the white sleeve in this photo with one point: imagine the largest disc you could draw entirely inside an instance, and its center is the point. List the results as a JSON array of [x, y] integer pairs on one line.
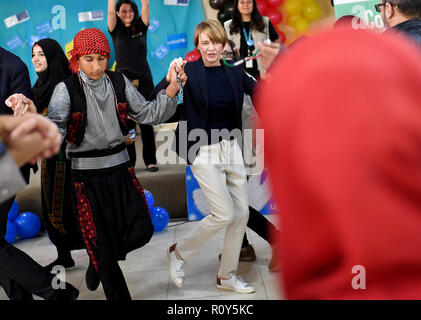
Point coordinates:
[[11, 181]]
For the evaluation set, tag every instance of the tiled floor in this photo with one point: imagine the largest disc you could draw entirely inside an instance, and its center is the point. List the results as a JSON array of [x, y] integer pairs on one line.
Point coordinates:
[[146, 269]]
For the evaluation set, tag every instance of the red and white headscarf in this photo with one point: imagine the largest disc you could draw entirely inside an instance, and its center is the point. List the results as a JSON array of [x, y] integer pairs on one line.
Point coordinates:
[[88, 41]]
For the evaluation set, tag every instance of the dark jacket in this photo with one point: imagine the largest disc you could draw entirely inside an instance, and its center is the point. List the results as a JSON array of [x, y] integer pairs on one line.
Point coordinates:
[[14, 78], [194, 109], [412, 28]]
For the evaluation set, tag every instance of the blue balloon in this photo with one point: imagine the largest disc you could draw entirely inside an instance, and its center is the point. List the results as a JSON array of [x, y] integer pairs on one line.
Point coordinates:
[[28, 224], [11, 232], [13, 212], [160, 218], [149, 199]]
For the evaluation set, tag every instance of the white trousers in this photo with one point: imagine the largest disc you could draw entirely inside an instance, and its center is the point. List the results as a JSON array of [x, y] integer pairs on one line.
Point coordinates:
[[219, 170]]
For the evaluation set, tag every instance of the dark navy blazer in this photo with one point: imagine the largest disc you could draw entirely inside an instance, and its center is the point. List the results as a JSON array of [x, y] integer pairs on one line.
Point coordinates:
[[194, 109], [14, 78]]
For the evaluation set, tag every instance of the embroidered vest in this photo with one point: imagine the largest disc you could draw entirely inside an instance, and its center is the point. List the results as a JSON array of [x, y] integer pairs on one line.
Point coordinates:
[[76, 125]]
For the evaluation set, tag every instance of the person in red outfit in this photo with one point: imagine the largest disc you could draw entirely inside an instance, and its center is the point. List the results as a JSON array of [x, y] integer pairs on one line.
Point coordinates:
[[342, 119]]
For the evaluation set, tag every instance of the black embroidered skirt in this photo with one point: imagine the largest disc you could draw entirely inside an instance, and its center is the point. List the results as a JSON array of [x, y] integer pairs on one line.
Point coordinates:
[[112, 212], [57, 210]]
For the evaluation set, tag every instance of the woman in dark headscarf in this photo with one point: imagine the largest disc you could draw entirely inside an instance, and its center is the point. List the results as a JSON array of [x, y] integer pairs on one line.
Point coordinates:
[[47, 56], [52, 67]]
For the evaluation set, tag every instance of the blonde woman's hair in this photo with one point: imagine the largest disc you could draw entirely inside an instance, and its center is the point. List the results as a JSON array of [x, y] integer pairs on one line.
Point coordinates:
[[213, 29]]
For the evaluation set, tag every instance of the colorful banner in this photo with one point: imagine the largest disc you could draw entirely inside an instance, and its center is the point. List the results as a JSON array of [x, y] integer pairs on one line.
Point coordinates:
[[25, 22], [363, 9]]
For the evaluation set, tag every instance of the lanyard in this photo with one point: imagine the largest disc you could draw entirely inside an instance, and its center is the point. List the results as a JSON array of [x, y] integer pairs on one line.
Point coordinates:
[[249, 40]]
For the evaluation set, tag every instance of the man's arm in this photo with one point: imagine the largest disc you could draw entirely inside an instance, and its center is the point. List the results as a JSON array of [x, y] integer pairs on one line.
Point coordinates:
[[161, 108], [164, 104]]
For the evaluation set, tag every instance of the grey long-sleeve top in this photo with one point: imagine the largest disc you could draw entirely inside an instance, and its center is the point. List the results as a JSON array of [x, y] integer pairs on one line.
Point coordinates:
[[102, 128]]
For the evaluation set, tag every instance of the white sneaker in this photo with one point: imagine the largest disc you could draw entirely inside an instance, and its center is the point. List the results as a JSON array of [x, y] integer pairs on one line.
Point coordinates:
[[236, 284], [175, 267]]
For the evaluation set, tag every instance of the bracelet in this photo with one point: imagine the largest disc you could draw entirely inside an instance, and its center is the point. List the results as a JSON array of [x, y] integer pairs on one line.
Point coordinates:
[[180, 93]]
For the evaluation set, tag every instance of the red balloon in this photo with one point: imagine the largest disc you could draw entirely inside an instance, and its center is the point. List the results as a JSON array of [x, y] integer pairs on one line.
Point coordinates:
[[192, 55], [274, 16], [262, 7], [282, 36], [274, 3]]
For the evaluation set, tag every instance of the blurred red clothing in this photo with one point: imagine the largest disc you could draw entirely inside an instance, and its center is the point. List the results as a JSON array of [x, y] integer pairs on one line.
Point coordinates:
[[192, 55], [342, 119]]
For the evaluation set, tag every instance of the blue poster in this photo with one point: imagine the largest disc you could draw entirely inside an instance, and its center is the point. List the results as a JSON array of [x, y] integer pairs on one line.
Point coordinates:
[[23, 22], [160, 52], [153, 24], [177, 41], [14, 43], [44, 28]]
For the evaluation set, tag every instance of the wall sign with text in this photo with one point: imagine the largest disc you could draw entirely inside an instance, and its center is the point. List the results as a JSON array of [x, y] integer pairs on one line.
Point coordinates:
[[363, 9]]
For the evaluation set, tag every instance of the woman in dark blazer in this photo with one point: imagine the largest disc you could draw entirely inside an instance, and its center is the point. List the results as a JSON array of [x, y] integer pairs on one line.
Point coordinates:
[[208, 137]]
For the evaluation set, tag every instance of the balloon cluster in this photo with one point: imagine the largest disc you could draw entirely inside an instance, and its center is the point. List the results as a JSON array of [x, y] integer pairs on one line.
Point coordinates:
[[225, 7], [301, 13], [159, 216], [25, 225], [271, 9]]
